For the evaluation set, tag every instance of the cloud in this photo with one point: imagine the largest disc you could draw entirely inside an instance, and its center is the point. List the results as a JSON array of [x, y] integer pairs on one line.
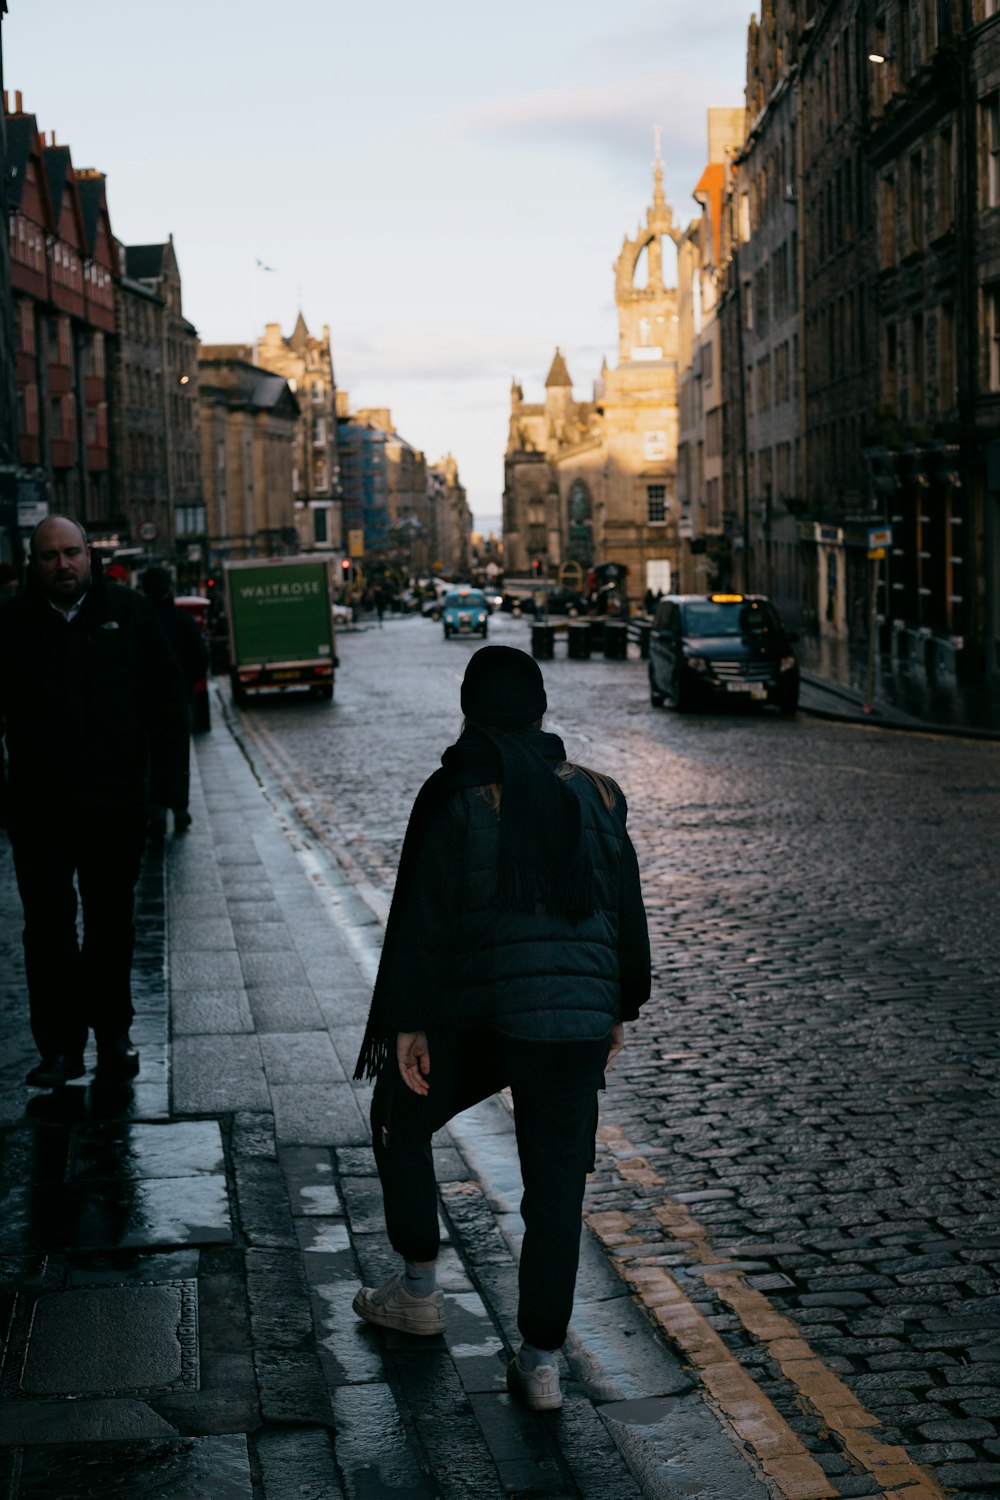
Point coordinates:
[[615, 120]]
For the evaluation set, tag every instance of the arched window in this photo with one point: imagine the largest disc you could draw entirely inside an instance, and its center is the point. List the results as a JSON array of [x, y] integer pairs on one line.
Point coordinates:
[[579, 530]]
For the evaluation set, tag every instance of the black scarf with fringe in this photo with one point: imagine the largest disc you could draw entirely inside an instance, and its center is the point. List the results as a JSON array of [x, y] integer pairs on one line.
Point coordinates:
[[542, 855]]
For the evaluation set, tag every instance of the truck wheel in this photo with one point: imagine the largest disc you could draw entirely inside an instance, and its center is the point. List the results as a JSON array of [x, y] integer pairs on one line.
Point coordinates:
[[240, 695]]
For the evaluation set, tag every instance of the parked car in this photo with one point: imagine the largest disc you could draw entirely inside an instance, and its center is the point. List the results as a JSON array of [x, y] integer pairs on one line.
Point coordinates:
[[707, 648], [465, 612], [567, 602]]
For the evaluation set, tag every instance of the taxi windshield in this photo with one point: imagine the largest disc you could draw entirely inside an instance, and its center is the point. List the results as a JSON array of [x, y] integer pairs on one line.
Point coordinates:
[[467, 599], [710, 617]]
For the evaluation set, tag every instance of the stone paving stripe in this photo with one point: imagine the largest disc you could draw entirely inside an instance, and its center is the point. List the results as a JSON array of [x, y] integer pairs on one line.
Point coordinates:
[[310, 806], [741, 1400]]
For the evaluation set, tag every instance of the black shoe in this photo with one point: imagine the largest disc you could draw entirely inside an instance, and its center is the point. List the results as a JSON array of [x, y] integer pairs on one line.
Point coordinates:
[[117, 1060], [182, 822], [52, 1072]]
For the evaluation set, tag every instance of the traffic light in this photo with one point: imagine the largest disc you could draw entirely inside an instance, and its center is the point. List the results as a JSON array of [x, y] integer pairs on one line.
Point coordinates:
[[536, 566], [345, 568]]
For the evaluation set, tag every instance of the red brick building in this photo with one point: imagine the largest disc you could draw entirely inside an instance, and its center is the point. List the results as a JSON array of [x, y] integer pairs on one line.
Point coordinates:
[[62, 267]]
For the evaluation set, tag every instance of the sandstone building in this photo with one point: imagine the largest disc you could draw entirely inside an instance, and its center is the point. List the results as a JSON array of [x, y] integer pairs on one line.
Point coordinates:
[[306, 363], [249, 424], [589, 482]]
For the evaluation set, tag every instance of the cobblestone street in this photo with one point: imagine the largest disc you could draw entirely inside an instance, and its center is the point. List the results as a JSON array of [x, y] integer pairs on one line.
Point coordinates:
[[802, 1134]]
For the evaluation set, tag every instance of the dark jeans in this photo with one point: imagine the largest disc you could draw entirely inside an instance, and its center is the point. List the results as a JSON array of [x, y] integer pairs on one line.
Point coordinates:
[[554, 1087], [72, 989]]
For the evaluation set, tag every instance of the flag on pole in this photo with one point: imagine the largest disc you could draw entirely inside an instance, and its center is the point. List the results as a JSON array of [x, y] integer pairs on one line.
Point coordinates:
[[261, 266]]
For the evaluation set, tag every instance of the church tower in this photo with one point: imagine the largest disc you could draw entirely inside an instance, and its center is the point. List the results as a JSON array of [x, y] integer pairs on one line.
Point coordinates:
[[646, 300]]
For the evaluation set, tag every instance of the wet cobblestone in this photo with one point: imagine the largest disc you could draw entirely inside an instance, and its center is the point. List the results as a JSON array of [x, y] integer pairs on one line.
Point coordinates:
[[816, 1076]]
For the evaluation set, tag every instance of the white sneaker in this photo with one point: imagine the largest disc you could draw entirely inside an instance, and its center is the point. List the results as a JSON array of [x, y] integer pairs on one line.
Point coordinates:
[[392, 1306], [537, 1388]]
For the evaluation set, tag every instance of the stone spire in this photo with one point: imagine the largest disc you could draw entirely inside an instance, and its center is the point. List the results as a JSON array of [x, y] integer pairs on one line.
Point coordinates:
[[558, 373]]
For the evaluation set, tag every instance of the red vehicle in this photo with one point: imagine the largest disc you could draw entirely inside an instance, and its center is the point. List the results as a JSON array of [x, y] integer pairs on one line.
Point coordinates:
[[195, 605]]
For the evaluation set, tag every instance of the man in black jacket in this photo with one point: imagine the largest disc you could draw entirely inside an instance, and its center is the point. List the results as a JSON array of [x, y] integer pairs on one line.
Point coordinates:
[[86, 676]]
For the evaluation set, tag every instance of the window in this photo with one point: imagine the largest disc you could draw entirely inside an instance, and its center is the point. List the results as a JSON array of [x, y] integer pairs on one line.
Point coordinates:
[[946, 357], [747, 305], [713, 505], [945, 194], [320, 516], [991, 297], [656, 503], [891, 364], [917, 387], [713, 432], [887, 221], [989, 151], [916, 204]]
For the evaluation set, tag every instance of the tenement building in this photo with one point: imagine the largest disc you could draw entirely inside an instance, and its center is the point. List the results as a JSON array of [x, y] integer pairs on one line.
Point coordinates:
[[63, 295], [249, 425], [306, 363], [867, 364], [592, 482], [704, 488]]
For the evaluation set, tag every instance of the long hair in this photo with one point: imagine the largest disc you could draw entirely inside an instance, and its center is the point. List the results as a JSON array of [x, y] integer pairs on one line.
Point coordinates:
[[492, 792]]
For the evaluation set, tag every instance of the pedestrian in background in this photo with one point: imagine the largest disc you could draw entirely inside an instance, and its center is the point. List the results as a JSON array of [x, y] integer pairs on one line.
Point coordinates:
[[516, 947], [86, 678], [170, 750]]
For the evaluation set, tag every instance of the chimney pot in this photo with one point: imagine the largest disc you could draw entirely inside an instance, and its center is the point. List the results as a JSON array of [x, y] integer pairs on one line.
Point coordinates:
[[18, 102]]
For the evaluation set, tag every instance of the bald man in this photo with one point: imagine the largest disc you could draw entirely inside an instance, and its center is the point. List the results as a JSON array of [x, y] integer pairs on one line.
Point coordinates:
[[86, 677]]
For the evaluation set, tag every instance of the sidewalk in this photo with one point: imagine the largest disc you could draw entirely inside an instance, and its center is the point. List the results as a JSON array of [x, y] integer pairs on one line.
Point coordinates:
[[179, 1258], [834, 686]]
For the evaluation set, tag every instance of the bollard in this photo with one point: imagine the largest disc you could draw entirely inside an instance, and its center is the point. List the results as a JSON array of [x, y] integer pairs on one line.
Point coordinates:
[[596, 628], [645, 631], [615, 640], [578, 640], [543, 639]]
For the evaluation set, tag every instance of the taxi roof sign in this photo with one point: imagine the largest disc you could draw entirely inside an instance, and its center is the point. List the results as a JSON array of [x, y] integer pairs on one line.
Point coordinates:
[[726, 598]]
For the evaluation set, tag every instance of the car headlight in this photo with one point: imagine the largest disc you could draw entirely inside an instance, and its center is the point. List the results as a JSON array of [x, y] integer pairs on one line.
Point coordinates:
[[697, 663], [787, 663]]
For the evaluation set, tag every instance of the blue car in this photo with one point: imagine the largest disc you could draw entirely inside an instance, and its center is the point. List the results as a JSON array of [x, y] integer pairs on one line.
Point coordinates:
[[465, 612]]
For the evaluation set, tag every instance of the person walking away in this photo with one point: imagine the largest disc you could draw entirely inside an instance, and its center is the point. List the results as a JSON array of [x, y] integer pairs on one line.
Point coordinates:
[[170, 752], [87, 677], [515, 949]]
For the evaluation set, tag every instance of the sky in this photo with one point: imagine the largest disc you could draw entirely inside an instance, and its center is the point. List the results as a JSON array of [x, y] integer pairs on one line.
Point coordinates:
[[446, 184]]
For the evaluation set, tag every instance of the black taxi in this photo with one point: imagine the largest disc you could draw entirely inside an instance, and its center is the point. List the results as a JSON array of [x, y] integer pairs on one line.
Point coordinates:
[[721, 648]]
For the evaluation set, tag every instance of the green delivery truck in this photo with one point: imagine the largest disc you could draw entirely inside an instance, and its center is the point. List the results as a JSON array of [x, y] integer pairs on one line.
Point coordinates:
[[280, 625]]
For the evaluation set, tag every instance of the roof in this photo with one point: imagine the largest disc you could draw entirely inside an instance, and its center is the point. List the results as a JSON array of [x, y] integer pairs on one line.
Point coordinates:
[[144, 262], [21, 133], [91, 192], [57, 170], [245, 384], [300, 334], [558, 373]]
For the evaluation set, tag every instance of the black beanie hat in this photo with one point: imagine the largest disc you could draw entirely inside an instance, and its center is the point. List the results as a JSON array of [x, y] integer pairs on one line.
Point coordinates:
[[503, 689]]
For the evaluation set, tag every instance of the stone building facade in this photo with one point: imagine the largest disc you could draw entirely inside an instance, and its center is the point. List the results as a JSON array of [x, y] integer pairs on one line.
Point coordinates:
[[705, 492], [449, 519], [595, 482], [248, 427], [156, 270], [306, 362], [62, 270]]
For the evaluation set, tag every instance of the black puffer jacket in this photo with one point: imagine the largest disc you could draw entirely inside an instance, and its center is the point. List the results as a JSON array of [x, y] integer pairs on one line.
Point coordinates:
[[79, 700], [455, 958]]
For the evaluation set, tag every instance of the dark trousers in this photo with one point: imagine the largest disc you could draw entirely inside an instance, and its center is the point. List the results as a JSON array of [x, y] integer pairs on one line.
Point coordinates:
[[71, 989], [554, 1086]]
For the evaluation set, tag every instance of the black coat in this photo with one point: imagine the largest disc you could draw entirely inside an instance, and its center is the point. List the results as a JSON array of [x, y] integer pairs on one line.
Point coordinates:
[[452, 956], [79, 701]]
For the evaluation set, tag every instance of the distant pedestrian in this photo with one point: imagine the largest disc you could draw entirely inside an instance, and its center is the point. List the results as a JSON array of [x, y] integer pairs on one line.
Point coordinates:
[[516, 947], [378, 599], [170, 751], [86, 677]]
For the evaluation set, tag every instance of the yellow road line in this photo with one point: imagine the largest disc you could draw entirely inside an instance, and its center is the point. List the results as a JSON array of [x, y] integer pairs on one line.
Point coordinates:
[[783, 1457]]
